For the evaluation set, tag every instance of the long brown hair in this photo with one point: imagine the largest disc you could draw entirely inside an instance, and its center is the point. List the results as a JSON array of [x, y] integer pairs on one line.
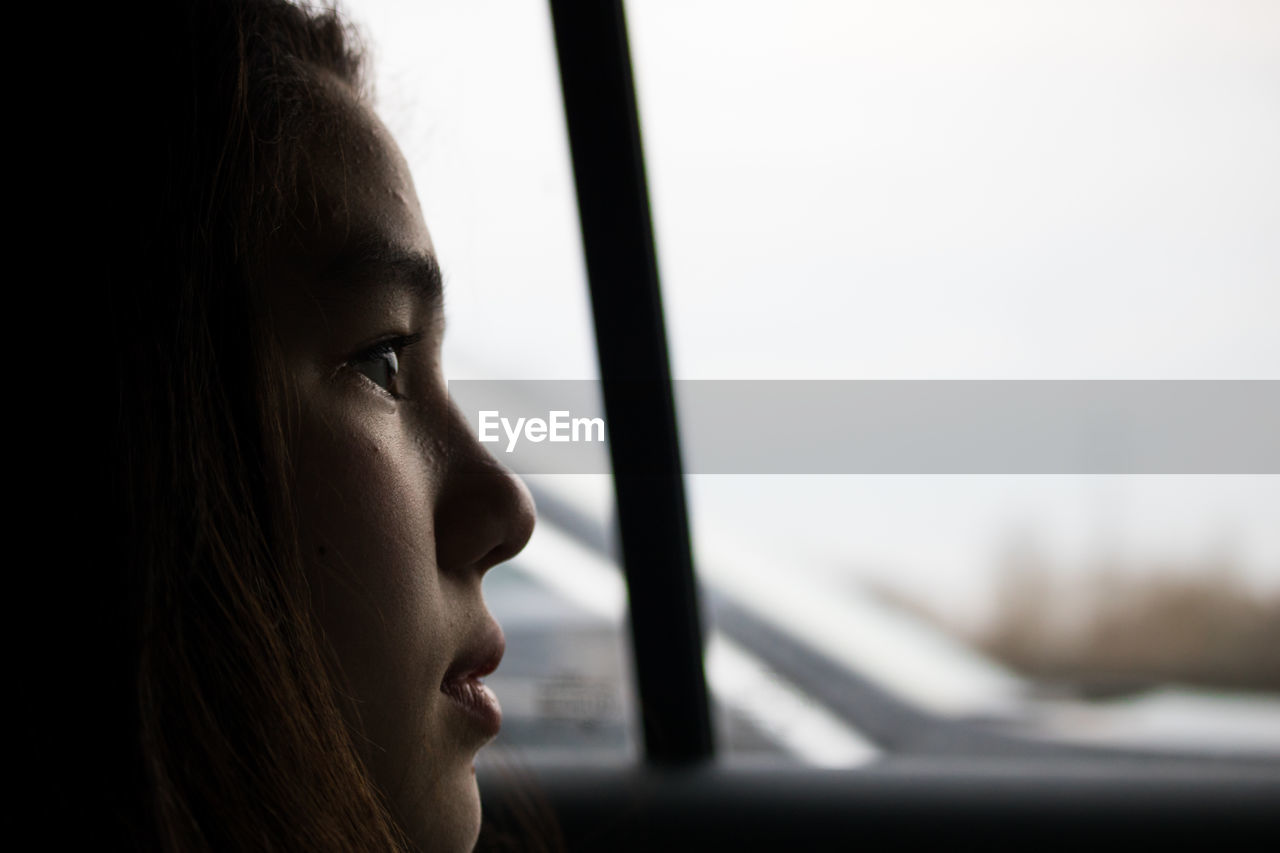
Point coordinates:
[[231, 735]]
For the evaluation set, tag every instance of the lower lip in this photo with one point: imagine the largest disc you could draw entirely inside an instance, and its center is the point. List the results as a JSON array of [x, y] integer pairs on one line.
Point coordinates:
[[478, 701]]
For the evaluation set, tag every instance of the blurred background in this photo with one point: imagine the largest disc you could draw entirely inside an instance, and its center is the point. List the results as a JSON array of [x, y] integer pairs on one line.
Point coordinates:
[[1045, 189]]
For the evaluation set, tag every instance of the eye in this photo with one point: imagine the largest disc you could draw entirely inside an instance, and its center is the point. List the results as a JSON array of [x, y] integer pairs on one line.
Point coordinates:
[[381, 364]]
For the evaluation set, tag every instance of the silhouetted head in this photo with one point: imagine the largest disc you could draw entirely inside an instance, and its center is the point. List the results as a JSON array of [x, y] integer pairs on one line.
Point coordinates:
[[305, 530]]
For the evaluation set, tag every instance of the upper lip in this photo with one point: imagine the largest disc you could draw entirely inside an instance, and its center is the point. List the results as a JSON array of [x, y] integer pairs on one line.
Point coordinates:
[[480, 655]]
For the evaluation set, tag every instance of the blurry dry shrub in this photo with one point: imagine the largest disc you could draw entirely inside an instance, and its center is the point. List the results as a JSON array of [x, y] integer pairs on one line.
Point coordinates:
[[1112, 628]]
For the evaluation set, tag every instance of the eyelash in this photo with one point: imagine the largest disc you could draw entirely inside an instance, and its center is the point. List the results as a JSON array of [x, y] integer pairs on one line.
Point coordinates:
[[378, 352]]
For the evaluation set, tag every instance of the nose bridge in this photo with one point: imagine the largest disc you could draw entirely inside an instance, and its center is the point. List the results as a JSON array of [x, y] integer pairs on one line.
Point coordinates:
[[484, 513]]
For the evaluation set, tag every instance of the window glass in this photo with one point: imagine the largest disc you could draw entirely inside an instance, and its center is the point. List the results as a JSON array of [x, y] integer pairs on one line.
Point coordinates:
[[911, 190], [471, 93]]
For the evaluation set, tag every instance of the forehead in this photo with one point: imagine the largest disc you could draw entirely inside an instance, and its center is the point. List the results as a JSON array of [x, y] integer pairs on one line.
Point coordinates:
[[354, 187]]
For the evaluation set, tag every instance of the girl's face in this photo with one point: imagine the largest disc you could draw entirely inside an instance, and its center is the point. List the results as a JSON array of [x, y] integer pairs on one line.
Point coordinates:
[[402, 512]]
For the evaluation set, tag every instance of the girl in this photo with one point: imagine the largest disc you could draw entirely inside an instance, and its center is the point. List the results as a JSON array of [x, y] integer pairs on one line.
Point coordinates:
[[302, 522]]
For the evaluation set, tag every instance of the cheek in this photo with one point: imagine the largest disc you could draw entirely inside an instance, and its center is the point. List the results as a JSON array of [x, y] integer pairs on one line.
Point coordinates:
[[368, 506], [365, 502]]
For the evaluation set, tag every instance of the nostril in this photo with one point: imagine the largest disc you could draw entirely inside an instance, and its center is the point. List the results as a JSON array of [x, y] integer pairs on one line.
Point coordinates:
[[500, 554]]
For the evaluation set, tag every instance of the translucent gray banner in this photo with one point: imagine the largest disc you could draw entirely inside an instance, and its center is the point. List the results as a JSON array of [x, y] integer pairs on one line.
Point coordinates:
[[900, 427]]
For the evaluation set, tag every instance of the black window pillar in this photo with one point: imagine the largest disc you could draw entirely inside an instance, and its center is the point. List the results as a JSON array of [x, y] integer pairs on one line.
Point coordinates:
[[617, 233]]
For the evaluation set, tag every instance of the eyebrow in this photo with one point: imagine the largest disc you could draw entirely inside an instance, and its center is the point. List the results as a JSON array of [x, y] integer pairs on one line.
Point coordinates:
[[374, 259]]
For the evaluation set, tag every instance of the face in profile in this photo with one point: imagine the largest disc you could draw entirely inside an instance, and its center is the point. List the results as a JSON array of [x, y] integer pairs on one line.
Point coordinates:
[[402, 512]]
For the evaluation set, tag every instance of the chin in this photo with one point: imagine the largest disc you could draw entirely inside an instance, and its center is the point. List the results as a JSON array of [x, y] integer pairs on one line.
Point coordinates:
[[470, 827], [449, 819]]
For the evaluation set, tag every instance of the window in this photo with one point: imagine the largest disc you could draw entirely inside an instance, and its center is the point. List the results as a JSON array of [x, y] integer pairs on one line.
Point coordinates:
[[861, 191], [977, 191], [842, 191]]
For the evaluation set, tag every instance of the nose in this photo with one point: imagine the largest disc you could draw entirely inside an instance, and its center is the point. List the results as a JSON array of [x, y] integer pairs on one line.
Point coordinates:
[[484, 513]]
